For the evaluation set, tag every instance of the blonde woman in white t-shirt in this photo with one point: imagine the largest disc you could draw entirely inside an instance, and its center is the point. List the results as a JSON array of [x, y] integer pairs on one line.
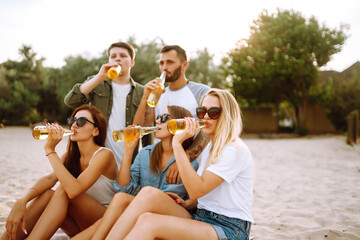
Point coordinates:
[[221, 189]]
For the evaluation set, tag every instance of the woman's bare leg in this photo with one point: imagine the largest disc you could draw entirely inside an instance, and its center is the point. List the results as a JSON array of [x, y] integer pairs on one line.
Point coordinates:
[[87, 233], [117, 206], [149, 199], [85, 211], [80, 212], [33, 212], [101, 227], [159, 226], [52, 217], [69, 226]]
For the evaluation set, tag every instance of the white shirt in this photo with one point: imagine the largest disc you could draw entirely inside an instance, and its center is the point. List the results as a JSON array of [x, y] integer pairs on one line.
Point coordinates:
[[182, 97], [233, 197], [117, 119]]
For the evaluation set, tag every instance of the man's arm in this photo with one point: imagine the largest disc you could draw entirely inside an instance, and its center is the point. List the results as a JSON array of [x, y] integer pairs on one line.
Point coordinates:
[[145, 115], [89, 85], [74, 98], [101, 76], [78, 95]]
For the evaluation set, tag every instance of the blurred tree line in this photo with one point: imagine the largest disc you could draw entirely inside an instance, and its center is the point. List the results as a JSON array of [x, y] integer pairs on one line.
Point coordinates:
[[30, 92], [278, 64], [340, 93]]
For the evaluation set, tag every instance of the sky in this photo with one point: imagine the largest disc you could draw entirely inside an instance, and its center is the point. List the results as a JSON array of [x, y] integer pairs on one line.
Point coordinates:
[[56, 29]]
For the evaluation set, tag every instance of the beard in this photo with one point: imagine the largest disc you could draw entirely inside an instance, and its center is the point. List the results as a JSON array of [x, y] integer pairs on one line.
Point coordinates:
[[175, 76]]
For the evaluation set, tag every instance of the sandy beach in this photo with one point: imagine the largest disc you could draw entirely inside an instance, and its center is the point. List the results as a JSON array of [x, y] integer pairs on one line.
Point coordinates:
[[304, 188]]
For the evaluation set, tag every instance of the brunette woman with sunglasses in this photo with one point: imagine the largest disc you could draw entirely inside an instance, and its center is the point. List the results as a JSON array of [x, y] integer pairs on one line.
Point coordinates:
[[86, 173], [150, 168], [221, 188]]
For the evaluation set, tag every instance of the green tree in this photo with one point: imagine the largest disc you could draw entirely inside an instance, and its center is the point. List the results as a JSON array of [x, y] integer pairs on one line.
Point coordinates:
[[51, 103], [146, 66], [342, 98], [203, 70], [22, 82], [76, 70], [5, 94], [280, 60]]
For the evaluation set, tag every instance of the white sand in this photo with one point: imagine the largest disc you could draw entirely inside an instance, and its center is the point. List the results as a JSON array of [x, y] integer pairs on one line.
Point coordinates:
[[307, 188], [22, 162], [304, 188]]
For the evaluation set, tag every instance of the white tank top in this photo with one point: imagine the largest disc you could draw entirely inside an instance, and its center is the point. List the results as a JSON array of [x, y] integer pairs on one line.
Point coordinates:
[[103, 189]]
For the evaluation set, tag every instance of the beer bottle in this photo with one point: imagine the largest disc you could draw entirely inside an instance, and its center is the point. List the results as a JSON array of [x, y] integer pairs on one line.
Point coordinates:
[[129, 133], [114, 72], [178, 125], [156, 93], [41, 133]]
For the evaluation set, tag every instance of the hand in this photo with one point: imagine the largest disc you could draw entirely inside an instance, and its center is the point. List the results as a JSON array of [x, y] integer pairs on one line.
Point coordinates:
[[102, 74], [172, 175], [192, 126], [16, 217], [131, 142], [177, 199], [56, 133], [150, 86]]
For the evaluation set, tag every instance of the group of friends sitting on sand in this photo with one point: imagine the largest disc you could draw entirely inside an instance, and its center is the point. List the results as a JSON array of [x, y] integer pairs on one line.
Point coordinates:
[[194, 184]]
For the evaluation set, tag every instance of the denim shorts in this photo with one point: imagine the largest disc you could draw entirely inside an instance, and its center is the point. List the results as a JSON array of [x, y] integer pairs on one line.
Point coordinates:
[[225, 227]]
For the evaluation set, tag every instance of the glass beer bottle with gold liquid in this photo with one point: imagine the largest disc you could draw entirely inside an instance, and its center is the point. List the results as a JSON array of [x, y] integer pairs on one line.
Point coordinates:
[[156, 93], [178, 125], [114, 72], [129, 133], [41, 133]]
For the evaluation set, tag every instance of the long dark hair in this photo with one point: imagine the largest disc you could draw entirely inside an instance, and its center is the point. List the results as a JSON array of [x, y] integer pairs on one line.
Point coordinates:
[[72, 158], [176, 112]]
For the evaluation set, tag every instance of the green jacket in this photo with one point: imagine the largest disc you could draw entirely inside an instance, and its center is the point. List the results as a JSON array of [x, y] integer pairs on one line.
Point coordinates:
[[102, 97]]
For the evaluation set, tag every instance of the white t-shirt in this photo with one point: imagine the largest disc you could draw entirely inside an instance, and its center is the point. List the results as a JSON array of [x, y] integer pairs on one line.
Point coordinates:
[[187, 97], [233, 197], [117, 119]]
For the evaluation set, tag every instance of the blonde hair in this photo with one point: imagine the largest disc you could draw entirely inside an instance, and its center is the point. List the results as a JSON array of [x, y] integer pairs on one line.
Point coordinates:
[[229, 126]]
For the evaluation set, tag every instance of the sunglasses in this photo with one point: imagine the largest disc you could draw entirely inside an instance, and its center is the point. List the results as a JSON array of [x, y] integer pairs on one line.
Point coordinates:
[[214, 112], [79, 121], [163, 117]]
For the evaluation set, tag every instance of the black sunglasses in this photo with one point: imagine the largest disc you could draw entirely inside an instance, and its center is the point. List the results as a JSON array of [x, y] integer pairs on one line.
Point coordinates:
[[163, 117], [214, 112], [79, 121]]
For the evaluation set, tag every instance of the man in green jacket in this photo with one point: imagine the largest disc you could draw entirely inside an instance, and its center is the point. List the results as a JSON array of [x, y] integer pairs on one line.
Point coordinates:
[[118, 98]]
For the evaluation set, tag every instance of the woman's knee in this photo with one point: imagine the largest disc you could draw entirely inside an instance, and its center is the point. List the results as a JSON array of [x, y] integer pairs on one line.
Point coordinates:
[[145, 226], [150, 192], [60, 192], [121, 199], [46, 195], [146, 219]]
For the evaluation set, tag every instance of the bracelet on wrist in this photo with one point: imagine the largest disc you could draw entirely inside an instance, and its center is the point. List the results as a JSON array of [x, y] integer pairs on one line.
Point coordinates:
[[50, 153]]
